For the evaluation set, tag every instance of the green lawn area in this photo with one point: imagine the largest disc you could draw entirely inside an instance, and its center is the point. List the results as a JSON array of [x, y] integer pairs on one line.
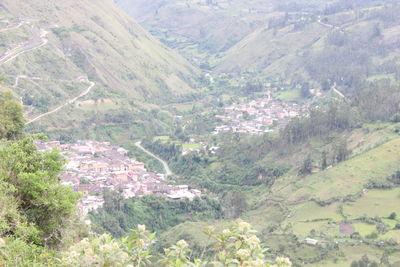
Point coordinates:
[[373, 203], [302, 229], [349, 177], [162, 138], [293, 95], [312, 211], [352, 253], [393, 234], [98, 105], [391, 77], [391, 223], [191, 146], [185, 107], [364, 228]]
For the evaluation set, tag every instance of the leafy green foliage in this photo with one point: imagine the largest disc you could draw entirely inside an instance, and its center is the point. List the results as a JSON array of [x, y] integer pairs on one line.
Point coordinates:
[[307, 166], [96, 251], [17, 252], [236, 246], [35, 207], [336, 116], [120, 215], [235, 165], [32, 180], [11, 117]]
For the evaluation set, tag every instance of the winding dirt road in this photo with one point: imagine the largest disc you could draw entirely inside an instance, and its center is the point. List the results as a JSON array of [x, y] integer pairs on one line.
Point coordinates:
[[168, 171], [26, 47], [71, 101], [338, 92], [33, 45]]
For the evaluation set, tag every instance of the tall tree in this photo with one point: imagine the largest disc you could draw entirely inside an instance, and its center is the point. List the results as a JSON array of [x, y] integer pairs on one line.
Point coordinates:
[[324, 162], [12, 121], [45, 204], [307, 165]]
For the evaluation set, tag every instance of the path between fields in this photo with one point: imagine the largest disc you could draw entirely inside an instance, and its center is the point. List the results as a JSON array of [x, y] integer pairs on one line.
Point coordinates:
[[168, 171], [71, 101]]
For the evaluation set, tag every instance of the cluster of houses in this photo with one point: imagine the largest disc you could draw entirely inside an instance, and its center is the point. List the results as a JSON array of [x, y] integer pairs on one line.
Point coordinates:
[[93, 167], [258, 116]]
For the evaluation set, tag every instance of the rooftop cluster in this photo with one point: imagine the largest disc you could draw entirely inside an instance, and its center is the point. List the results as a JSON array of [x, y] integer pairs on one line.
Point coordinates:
[[258, 116], [93, 167]]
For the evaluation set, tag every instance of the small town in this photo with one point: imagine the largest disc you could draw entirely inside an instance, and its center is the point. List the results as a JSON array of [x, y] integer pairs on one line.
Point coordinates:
[[93, 167], [258, 116]]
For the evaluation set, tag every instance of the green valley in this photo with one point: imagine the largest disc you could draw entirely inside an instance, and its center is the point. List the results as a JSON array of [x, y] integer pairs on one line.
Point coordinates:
[[257, 133]]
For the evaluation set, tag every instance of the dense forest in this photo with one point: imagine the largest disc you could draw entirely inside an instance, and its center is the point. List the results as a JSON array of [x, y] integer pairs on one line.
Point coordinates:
[[119, 215]]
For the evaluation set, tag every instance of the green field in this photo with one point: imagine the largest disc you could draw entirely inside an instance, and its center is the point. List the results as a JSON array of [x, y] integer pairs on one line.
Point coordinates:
[[393, 234], [191, 146], [364, 229], [349, 177], [293, 95], [161, 138], [310, 211], [380, 203]]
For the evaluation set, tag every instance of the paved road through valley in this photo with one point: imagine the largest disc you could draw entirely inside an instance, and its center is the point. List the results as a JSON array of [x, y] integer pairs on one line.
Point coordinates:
[[168, 171]]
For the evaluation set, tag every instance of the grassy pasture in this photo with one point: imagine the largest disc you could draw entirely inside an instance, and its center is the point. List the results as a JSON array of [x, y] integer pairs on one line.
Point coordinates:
[[310, 211], [364, 229], [373, 203], [393, 234], [351, 253], [292, 95], [161, 138], [191, 146], [303, 229], [349, 177]]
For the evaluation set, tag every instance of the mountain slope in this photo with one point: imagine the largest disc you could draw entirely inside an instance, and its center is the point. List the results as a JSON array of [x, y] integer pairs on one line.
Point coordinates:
[[356, 43], [198, 28], [71, 40]]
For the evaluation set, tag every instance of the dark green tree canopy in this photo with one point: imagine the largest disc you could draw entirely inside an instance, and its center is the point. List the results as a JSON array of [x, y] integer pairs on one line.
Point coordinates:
[[12, 120]]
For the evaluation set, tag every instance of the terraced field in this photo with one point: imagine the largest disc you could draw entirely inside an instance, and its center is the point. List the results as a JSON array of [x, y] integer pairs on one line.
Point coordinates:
[[294, 207]]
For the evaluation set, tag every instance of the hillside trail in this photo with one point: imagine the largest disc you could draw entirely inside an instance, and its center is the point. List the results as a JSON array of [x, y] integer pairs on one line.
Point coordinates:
[[327, 24], [71, 101], [168, 171], [16, 24], [13, 27], [25, 47], [22, 76], [338, 92]]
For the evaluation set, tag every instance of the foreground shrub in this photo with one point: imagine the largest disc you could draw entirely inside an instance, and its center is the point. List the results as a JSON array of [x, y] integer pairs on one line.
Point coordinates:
[[236, 246]]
